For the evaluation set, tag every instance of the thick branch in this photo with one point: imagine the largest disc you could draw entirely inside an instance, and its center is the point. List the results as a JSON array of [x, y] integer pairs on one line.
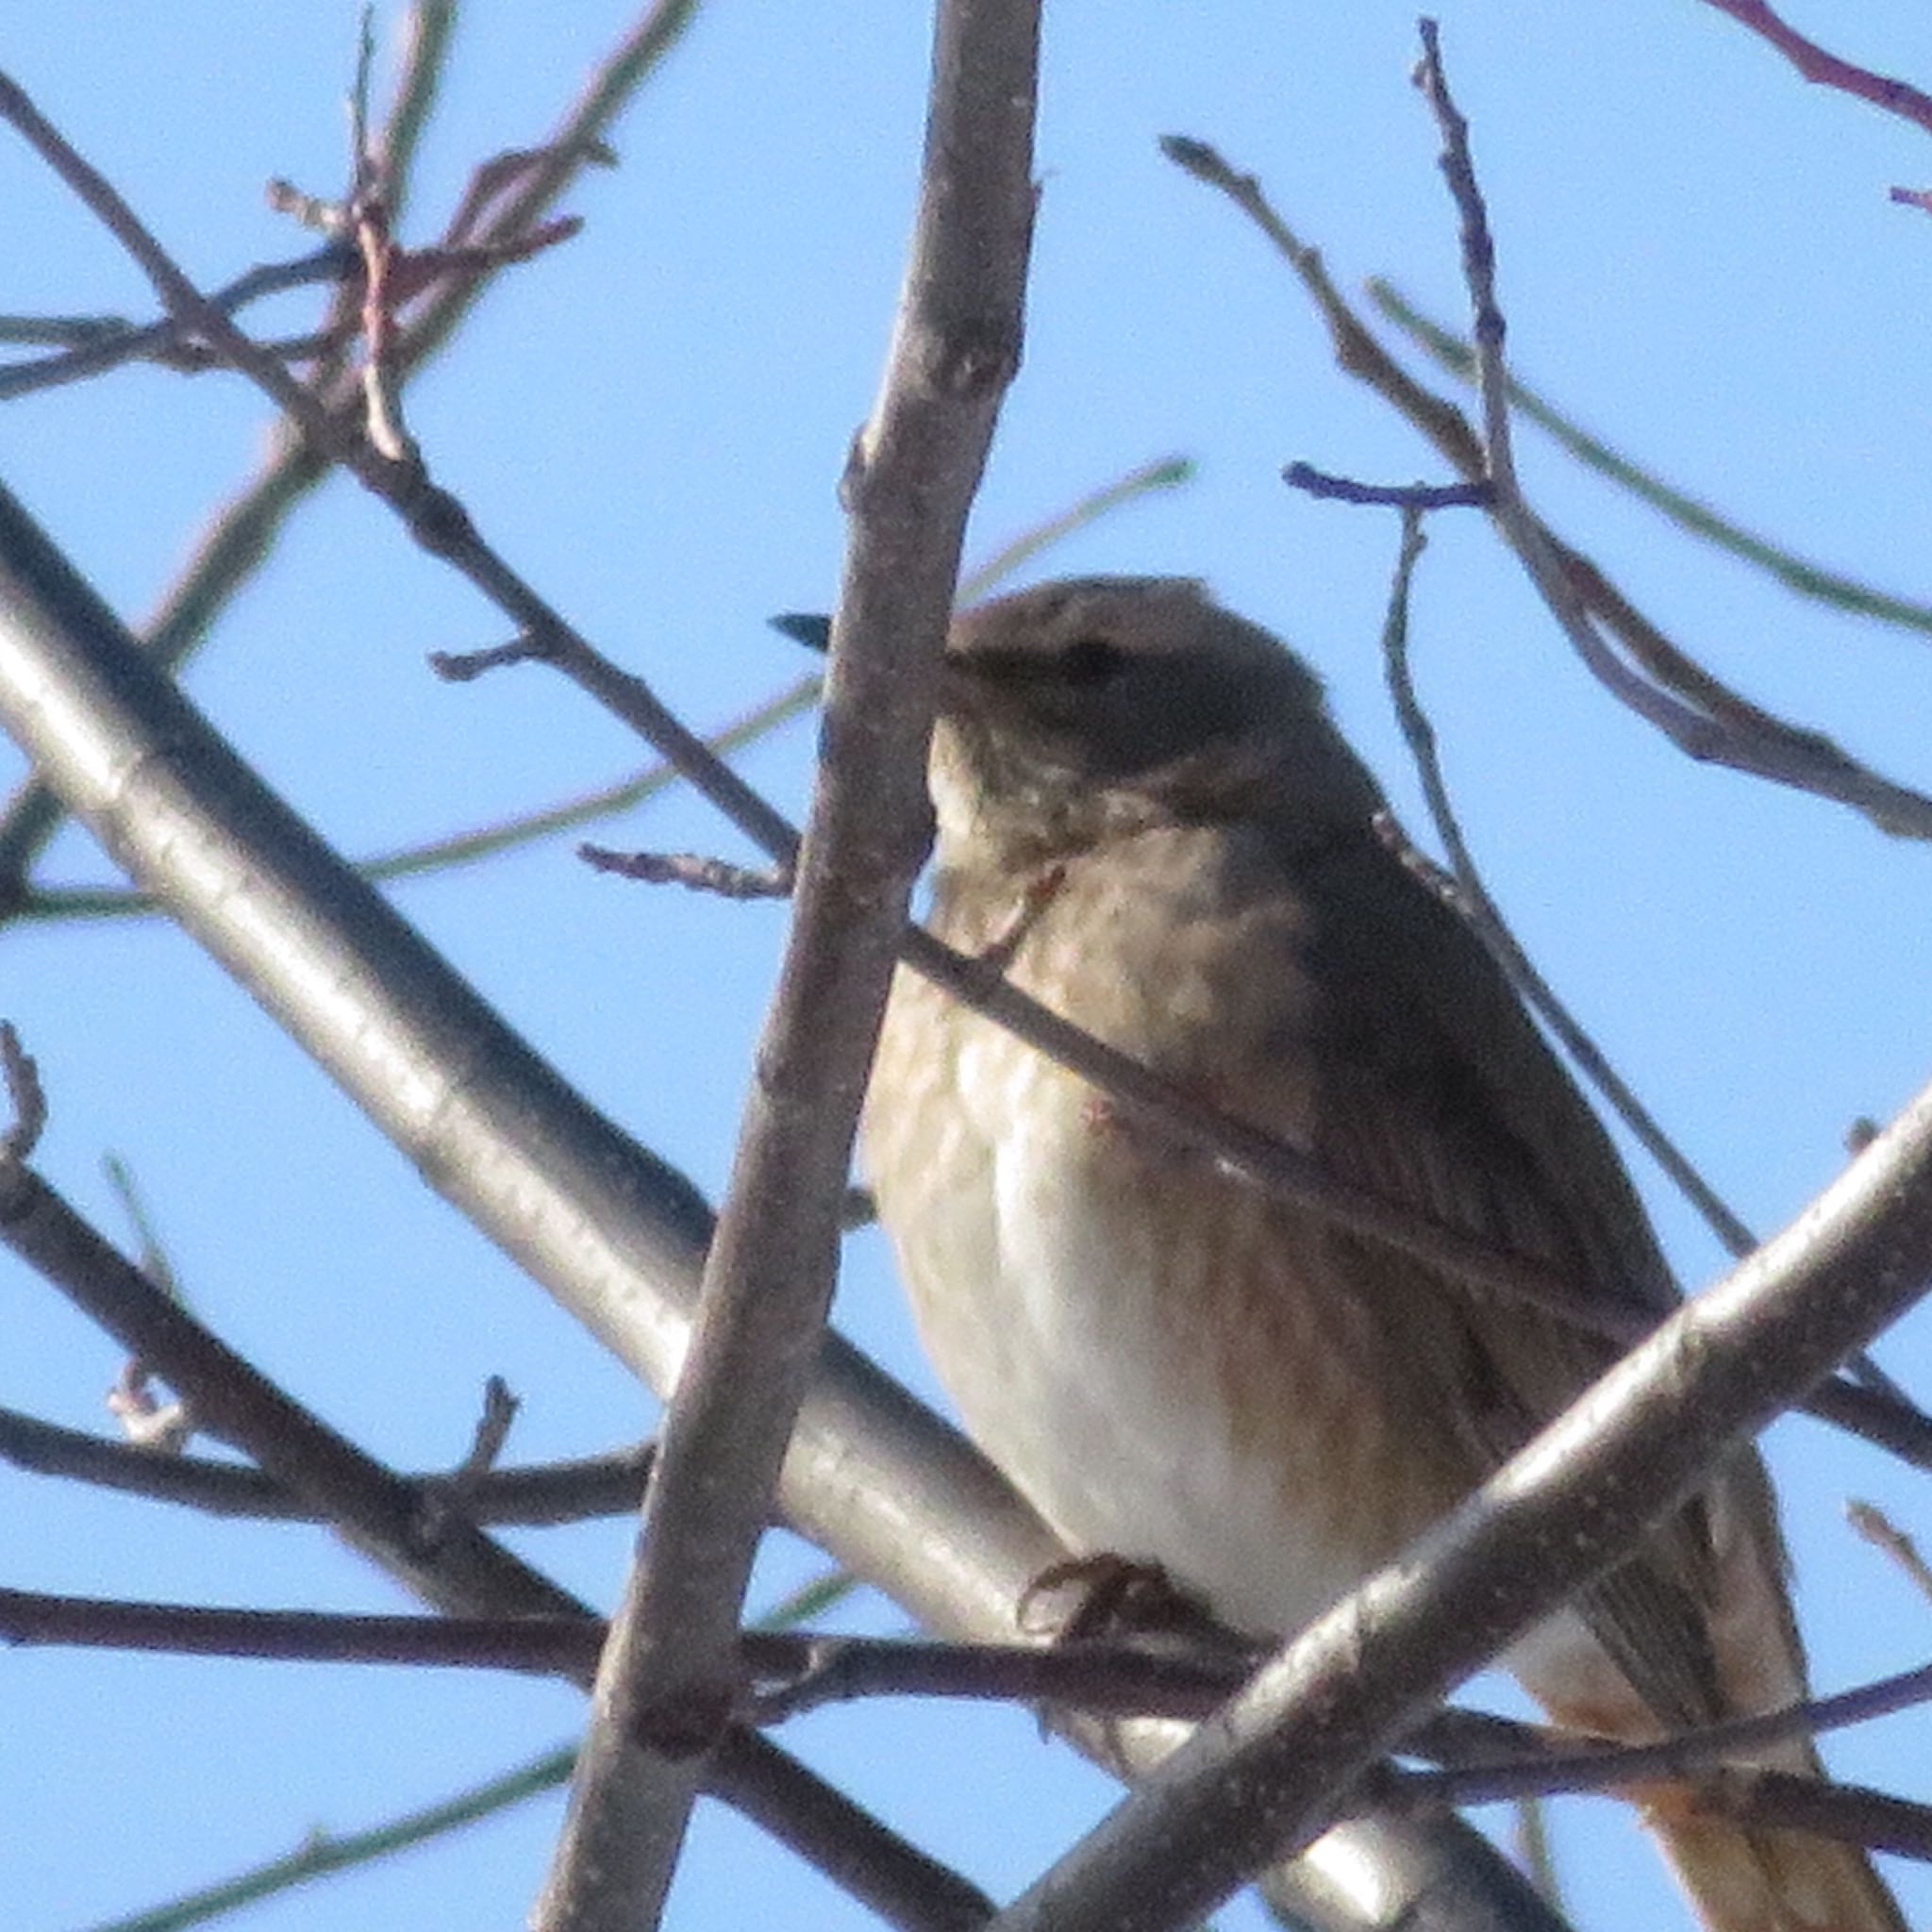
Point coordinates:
[[441, 1557], [768, 1275], [1267, 1773], [242, 531]]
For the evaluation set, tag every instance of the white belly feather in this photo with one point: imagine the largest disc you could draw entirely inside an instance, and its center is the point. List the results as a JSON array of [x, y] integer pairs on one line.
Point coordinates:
[[1062, 1356]]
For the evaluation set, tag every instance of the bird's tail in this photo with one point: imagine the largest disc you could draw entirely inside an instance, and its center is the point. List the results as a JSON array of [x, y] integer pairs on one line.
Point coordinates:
[[1744, 1879], [1739, 1877]]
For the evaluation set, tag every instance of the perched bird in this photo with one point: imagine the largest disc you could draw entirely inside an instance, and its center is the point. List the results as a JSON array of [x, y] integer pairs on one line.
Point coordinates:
[[1145, 812]]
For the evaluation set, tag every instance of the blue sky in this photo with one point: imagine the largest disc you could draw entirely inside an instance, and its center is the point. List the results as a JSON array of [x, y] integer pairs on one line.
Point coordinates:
[[1698, 261]]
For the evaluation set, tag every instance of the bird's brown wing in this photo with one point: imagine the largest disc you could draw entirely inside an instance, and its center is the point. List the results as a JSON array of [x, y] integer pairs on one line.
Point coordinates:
[[1436, 1089]]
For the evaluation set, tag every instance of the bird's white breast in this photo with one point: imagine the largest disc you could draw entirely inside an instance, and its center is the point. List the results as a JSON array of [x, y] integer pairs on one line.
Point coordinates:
[[1044, 1277]]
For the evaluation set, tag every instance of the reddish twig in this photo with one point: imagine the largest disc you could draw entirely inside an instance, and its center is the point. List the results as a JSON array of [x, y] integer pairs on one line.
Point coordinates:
[[1826, 69]]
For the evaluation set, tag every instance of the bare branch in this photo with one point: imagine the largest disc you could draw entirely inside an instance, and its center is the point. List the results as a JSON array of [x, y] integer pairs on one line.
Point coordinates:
[[98, 343], [908, 485], [485, 841], [1826, 70], [692, 870], [1269, 1771], [426, 31], [1795, 572], [787, 1673], [375, 1510], [211, 803], [534, 1493], [607, 1228], [1559, 1766], [1702, 716], [242, 531], [1464, 890], [443, 1558]]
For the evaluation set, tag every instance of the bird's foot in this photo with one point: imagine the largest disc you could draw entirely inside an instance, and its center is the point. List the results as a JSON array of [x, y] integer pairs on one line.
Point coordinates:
[[1114, 1598]]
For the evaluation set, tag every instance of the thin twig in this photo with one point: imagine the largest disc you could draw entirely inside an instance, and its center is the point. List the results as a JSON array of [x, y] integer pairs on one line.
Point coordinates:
[[1535, 549], [99, 344], [1883, 1534], [1325, 487], [425, 34], [1541, 558], [1531, 1842], [1467, 894], [1826, 70], [1795, 572], [692, 870], [779, 1675], [375, 1510], [786, 1673], [183, 299], [1702, 717], [241, 534], [792, 701], [155, 1262], [1557, 1769], [455, 1494], [461, 1570], [463, 666], [532, 1493], [436, 519]]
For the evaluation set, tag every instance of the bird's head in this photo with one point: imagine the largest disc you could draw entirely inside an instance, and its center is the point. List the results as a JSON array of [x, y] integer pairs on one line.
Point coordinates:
[[1083, 709]]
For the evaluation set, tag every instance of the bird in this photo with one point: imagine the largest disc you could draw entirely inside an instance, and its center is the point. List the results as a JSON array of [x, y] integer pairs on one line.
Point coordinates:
[[1145, 816]]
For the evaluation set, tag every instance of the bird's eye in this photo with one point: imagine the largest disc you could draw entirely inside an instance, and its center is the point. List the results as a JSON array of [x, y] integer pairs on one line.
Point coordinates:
[[1091, 658]]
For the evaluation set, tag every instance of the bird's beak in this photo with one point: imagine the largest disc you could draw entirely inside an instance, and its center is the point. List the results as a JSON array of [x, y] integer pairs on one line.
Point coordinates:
[[812, 629]]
